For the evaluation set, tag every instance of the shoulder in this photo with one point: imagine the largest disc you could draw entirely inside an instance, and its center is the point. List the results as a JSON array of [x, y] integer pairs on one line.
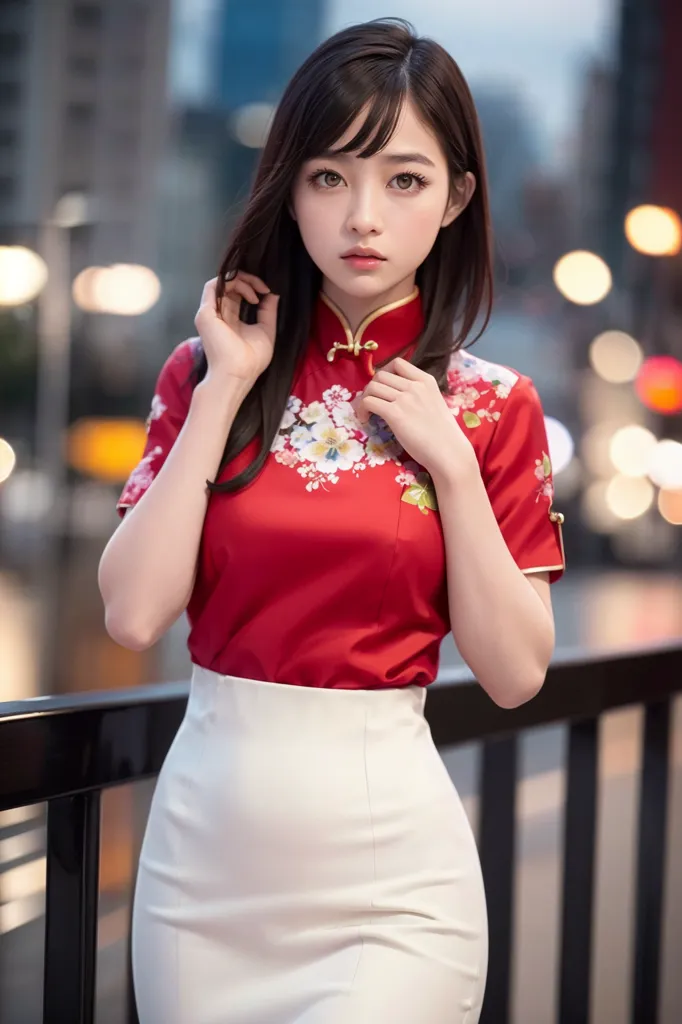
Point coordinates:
[[183, 356], [175, 381], [177, 368], [479, 390]]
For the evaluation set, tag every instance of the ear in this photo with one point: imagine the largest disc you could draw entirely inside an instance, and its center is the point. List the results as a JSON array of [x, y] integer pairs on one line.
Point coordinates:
[[460, 198], [290, 208]]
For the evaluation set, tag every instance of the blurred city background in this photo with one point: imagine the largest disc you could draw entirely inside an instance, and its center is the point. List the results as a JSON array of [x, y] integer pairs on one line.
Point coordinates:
[[129, 130]]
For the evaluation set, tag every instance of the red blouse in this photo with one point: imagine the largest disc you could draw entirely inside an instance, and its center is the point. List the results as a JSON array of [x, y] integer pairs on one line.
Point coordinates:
[[329, 568]]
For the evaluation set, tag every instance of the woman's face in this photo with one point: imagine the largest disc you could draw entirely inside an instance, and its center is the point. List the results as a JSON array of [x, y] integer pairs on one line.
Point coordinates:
[[394, 203]]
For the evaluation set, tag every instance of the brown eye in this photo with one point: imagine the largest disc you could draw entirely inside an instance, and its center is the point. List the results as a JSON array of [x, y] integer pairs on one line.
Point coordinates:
[[331, 174], [404, 181]]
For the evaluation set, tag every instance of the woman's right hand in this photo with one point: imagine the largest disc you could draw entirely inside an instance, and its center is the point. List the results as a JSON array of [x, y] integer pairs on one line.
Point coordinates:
[[234, 348]]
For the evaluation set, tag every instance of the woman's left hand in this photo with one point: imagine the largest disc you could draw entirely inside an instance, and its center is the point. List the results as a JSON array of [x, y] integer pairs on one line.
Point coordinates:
[[410, 402]]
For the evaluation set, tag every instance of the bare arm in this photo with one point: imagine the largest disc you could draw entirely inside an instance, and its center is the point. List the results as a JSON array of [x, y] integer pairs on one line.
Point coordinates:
[[501, 619], [147, 571]]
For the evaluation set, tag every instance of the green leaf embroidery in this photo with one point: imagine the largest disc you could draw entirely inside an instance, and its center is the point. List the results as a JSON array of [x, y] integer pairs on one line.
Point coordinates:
[[546, 465], [471, 419], [421, 493]]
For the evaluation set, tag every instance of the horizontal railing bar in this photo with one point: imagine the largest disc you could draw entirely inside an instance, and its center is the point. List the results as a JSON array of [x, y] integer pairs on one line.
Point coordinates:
[[572, 692], [74, 743]]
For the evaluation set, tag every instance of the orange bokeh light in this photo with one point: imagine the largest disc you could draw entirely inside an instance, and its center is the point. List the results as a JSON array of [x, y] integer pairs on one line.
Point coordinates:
[[659, 384]]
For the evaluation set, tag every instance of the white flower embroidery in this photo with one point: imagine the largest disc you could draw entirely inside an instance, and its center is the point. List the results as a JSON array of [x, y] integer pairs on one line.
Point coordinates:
[[299, 437], [380, 451], [157, 410], [332, 449], [335, 395], [475, 386], [288, 419], [325, 438], [142, 476], [343, 415], [314, 413]]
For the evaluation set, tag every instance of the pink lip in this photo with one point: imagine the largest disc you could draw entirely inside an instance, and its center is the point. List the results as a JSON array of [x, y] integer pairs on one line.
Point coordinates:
[[363, 262], [362, 254]]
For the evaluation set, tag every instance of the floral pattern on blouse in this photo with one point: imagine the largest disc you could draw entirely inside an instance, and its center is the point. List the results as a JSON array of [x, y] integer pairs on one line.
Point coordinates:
[[476, 387], [143, 474], [157, 410], [323, 439]]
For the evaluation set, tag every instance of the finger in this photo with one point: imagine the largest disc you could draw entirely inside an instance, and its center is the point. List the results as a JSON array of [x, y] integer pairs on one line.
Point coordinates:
[[267, 313], [208, 293], [392, 380], [241, 289], [378, 406], [257, 282], [377, 389], [403, 368]]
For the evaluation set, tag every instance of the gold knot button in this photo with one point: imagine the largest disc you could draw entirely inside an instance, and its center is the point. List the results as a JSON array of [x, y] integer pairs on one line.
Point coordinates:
[[557, 517], [353, 347]]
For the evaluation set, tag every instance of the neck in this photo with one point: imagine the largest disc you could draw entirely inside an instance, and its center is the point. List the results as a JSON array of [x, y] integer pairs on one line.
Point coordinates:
[[355, 307]]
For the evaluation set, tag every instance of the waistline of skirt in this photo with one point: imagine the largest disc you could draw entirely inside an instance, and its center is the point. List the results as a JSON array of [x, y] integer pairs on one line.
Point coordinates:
[[281, 707]]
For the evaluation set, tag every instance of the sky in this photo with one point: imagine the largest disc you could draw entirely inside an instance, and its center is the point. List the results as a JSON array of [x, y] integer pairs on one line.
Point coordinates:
[[539, 48]]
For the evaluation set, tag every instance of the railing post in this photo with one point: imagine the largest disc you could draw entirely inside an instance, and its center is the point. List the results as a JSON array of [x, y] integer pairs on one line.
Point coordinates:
[[73, 838], [578, 888], [496, 842], [653, 807]]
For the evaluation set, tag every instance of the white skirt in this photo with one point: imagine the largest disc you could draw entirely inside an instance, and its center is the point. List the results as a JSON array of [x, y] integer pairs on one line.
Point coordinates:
[[307, 860]]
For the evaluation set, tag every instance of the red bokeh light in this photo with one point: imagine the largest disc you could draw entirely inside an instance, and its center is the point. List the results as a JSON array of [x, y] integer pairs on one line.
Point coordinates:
[[659, 384]]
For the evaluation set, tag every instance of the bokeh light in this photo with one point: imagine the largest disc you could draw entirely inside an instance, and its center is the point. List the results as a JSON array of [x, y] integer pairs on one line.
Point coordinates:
[[23, 274], [83, 289], [670, 506], [595, 510], [595, 448], [659, 384], [631, 449], [561, 446], [108, 449], [124, 289], [8, 460], [251, 124], [665, 464], [629, 497], [582, 277], [27, 497], [615, 356], [654, 230]]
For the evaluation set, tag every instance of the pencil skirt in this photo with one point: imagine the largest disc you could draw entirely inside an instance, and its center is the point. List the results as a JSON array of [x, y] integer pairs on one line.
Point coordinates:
[[307, 860]]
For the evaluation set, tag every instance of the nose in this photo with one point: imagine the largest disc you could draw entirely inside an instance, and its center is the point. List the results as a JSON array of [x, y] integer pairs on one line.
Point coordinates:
[[364, 214]]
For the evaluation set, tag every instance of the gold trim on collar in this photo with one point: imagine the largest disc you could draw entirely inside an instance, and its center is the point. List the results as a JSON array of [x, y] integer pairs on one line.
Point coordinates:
[[354, 343]]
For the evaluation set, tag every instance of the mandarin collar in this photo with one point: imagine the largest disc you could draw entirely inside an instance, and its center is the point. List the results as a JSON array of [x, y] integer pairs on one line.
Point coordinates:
[[383, 333]]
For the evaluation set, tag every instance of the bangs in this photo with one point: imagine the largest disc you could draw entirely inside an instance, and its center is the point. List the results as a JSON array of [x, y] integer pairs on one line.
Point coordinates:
[[340, 107]]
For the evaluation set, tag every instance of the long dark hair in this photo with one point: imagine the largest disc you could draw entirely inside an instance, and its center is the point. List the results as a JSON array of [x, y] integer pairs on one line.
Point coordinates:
[[377, 64]]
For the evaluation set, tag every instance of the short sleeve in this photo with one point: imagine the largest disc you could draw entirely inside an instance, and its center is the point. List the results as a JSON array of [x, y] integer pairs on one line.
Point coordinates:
[[169, 407], [517, 474]]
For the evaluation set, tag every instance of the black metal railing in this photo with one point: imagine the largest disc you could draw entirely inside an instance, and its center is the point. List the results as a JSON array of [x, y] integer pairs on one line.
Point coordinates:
[[66, 750]]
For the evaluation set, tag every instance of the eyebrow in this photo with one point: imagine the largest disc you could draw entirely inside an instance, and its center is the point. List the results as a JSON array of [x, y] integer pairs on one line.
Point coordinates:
[[392, 158]]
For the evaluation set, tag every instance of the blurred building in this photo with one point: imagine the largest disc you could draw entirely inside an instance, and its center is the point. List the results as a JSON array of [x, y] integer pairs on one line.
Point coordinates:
[[82, 105], [248, 53], [589, 185], [645, 152], [512, 155]]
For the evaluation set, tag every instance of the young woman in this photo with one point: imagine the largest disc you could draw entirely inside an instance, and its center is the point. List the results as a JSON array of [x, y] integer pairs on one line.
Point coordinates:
[[330, 484]]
